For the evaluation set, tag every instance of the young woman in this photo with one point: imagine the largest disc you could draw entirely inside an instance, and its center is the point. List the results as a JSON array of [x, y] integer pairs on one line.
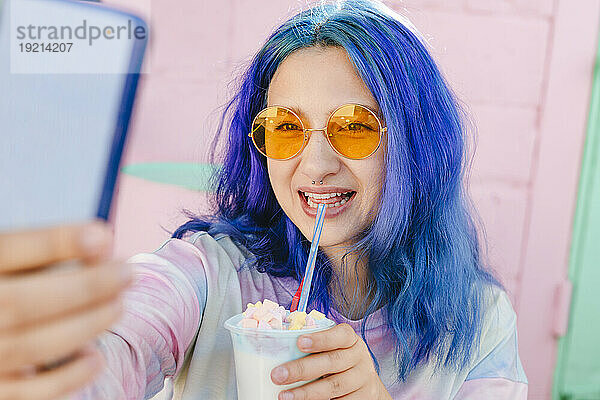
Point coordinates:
[[342, 105]]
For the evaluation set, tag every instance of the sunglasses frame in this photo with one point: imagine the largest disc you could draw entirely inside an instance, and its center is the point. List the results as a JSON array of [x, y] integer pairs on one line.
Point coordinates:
[[307, 132]]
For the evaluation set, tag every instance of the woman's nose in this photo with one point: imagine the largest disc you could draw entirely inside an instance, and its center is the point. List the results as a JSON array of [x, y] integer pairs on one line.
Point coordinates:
[[318, 159]]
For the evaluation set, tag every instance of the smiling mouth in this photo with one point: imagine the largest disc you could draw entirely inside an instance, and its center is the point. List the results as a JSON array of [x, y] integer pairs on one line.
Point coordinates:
[[330, 200]]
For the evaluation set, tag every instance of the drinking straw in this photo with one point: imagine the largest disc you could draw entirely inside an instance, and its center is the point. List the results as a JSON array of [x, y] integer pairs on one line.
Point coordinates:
[[312, 257]]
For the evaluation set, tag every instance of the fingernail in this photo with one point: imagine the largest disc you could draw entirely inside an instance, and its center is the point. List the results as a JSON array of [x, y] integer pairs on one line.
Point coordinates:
[[28, 371], [305, 343], [93, 359], [280, 374], [126, 271], [287, 396], [93, 238]]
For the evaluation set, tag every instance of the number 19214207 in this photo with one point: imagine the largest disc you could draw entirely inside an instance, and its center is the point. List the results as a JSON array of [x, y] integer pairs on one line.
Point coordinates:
[[45, 47]]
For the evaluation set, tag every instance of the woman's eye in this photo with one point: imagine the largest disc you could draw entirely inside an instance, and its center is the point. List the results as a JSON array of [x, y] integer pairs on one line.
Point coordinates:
[[288, 127], [357, 127]]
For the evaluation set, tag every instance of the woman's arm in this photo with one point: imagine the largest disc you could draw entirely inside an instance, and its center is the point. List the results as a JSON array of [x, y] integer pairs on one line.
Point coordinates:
[[162, 312]]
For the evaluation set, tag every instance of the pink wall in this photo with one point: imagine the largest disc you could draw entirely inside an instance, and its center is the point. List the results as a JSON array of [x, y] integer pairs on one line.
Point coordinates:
[[522, 67]]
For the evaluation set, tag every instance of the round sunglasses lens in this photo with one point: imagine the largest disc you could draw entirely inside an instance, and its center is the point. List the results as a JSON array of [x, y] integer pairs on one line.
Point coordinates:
[[277, 133], [354, 131]]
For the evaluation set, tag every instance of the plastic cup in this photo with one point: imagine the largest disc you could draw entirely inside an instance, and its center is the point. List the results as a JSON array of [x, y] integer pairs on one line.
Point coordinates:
[[257, 351]]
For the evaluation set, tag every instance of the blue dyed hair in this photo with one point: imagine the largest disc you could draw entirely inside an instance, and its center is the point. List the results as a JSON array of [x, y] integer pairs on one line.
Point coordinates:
[[424, 256]]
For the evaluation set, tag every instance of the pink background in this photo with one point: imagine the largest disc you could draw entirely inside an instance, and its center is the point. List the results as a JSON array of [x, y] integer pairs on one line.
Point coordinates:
[[522, 67]]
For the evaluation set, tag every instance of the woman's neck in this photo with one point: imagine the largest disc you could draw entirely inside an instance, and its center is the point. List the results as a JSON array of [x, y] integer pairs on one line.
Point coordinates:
[[351, 286]]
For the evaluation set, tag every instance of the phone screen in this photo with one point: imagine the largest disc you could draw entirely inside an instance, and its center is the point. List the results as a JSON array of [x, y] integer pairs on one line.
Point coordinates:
[[65, 104]]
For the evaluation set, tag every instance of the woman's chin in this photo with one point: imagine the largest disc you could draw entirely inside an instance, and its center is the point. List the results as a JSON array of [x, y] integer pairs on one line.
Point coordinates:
[[331, 241]]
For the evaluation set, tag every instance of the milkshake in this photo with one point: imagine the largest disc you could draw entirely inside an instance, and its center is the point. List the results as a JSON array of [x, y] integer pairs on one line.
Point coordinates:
[[265, 336]]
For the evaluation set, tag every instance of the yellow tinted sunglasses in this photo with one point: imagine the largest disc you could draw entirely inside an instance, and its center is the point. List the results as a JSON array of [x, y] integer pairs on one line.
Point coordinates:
[[352, 130]]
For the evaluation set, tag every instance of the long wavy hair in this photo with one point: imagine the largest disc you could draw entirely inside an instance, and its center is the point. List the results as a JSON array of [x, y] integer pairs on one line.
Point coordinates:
[[423, 252]]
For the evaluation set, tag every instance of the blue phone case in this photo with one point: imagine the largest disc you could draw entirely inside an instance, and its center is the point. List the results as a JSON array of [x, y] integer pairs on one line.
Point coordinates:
[[121, 128], [33, 122]]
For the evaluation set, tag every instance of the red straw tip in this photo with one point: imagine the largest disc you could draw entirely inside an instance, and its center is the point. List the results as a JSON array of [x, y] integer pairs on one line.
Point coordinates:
[[296, 298]]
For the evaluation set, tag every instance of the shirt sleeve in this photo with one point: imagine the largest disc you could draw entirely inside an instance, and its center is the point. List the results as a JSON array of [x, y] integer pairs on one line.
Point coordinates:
[[162, 312], [497, 373]]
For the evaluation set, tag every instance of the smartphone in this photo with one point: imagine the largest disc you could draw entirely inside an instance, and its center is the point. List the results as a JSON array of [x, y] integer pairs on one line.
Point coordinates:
[[68, 77]]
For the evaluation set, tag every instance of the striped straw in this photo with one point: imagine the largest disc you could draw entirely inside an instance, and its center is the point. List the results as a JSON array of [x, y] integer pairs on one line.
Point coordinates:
[[312, 257]]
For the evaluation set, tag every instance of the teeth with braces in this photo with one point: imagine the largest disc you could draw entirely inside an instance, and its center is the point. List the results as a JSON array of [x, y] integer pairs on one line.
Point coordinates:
[[336, 204], [324, 195]]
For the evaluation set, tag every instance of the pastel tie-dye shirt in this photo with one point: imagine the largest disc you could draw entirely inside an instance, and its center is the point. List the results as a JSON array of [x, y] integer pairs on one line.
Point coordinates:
[[190, 287]]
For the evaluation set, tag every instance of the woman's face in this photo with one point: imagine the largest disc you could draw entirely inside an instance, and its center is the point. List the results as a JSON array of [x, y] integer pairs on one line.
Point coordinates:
[[313, 82]]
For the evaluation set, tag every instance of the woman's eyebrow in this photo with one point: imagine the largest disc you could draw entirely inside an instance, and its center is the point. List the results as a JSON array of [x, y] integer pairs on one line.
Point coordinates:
[[298, 111]]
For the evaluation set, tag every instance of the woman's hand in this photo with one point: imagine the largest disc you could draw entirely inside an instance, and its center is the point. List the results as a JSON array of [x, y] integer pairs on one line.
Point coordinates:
[[341, 358], [50, 317]]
